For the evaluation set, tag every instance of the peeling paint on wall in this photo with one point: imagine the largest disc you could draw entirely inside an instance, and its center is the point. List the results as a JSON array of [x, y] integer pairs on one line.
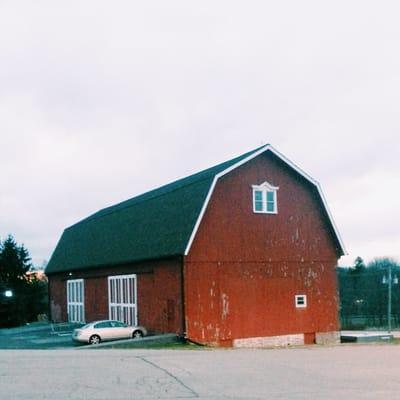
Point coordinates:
[[248, 267], [225, 305]]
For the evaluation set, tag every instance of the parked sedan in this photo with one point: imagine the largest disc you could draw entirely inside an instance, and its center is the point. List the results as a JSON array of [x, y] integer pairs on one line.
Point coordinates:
[[99, 331]]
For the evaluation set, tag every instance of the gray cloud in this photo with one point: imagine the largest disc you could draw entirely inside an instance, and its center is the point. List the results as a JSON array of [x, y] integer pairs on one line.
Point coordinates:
[[101, 101]]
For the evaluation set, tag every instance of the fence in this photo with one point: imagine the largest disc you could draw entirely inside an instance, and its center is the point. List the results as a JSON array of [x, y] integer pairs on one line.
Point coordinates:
[[361, 322]]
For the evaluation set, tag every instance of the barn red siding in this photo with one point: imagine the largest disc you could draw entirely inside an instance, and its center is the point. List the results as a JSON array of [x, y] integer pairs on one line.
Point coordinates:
[[160, 299], [58, 299], [244, 269], [96, 298], [158, 291]]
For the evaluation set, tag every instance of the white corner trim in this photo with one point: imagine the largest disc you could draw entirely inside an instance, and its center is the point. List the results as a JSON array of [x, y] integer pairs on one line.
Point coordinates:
[[245, 160]]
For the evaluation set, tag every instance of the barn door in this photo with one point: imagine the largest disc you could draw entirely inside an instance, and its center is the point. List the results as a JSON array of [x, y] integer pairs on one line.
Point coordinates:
[[75, 300], [122, 299]]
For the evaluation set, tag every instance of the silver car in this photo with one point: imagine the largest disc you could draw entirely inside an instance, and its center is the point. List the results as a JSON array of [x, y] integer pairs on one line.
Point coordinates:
[[99, 331]]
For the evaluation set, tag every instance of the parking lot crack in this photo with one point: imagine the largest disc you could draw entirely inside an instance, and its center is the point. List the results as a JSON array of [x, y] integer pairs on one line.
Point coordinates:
[[175, 378]]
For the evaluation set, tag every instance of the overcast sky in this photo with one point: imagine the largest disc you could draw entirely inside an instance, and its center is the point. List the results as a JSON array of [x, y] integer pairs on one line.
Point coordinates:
[[103, 100]]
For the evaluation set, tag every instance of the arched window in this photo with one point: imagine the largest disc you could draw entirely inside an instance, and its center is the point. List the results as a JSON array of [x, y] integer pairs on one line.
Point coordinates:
[[265, 198]]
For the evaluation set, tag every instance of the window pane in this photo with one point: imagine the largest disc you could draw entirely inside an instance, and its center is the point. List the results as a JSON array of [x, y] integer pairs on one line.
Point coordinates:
[[113, 290], [80, 292], [301, 301], [132, 290], [126, 300], [270, 207], [258, 195], [118, 297], [258, 206], [270, 196]]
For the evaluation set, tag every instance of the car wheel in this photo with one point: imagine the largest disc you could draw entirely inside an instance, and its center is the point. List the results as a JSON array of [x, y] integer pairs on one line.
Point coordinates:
[[94, 339], [137, 334]]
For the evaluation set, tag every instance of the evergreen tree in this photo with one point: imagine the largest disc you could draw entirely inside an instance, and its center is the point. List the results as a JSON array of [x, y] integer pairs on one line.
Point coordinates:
[[14, 263], [28, 295], [359, 266]]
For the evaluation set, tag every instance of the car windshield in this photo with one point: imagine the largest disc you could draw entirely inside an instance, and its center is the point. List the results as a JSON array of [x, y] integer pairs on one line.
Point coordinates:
[[86, 326]]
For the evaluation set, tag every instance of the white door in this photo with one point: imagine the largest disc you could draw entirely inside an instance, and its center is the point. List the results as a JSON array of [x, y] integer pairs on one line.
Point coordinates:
[[75, 300], [122, 299]]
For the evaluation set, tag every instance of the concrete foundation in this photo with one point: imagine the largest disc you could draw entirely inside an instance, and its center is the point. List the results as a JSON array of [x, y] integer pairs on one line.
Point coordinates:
[[271, 341], [324, 338], [327, 337]]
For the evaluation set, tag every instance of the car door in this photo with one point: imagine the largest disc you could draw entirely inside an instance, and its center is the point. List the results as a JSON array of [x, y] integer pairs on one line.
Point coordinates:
[[104, 330], [121, 330]]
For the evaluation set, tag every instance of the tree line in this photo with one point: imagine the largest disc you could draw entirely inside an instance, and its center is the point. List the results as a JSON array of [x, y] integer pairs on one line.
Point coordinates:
[[22, 295], [363, 290]]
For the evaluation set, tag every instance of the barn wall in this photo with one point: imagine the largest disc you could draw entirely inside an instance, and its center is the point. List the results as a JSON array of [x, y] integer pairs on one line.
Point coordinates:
[[158, 290], [58, 299], [240, 300], [160, 300], [244, 269]]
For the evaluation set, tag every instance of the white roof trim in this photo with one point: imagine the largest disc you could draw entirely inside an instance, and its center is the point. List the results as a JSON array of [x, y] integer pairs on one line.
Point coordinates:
[[245, 160]]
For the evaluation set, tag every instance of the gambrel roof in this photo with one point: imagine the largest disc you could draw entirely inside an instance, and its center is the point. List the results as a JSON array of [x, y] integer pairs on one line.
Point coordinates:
[[157, 224]]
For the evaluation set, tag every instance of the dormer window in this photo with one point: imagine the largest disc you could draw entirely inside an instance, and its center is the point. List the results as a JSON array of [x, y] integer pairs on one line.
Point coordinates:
[[265, 198]]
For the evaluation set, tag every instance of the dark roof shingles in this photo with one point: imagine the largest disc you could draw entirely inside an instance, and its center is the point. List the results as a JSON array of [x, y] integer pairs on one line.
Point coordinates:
[[153, 225]]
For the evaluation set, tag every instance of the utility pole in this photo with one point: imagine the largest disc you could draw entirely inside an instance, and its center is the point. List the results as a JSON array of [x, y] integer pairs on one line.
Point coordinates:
[[390, 281], [389, 307]]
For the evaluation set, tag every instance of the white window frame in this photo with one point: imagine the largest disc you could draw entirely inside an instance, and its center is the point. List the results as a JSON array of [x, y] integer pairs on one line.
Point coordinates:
[[264, 188], [302, 304], [76, 300], [118, 308]]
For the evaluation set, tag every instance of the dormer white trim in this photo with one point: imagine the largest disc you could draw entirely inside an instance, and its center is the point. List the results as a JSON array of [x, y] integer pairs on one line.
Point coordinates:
[[263, 149], [266, 186]]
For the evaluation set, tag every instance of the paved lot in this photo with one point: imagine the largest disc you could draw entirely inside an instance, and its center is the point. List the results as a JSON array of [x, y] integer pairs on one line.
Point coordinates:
[[25, 338], [348, 371]]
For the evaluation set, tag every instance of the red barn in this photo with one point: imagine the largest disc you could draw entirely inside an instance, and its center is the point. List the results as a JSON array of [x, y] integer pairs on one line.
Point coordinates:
[[240, 254]]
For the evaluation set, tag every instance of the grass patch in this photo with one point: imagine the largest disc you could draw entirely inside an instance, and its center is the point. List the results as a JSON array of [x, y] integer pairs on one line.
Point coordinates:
[[160, 344], [172, 346]]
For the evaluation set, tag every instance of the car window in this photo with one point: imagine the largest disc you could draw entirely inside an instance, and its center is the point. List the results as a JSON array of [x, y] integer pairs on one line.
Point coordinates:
[[117, 324], [104, 324]]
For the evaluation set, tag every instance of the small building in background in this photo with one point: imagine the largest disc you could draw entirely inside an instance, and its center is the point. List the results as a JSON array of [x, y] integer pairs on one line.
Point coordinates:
[[38, 274], [240, 254]]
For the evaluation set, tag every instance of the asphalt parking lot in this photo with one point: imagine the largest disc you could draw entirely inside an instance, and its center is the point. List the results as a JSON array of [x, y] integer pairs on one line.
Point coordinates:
[[35, 337], [347, 371]]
